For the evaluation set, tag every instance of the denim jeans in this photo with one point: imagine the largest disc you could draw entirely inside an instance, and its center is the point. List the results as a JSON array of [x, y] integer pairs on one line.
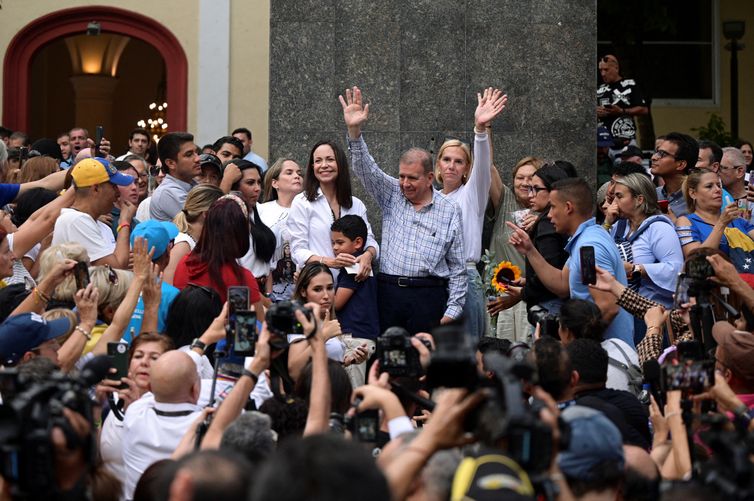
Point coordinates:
[[475, 308]]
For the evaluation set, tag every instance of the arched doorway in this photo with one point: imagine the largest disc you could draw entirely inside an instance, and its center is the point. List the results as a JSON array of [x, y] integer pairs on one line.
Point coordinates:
[[63, 23]]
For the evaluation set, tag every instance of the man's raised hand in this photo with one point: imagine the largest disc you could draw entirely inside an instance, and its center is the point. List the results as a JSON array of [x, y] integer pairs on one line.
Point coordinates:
[[354, 113]]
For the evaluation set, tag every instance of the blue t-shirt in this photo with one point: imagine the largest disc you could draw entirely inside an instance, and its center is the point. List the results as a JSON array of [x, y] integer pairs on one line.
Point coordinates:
[[8, 193], [701, 229], [359, 316], [606, 256], [169, 293]]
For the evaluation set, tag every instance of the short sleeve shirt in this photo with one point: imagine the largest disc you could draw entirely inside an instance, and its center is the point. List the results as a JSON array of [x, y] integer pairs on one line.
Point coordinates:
[[74, 226]]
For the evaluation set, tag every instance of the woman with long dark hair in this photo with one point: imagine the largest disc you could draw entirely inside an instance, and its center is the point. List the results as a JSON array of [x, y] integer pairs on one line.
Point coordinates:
[[261, 239], [326, 198], [214, 261]]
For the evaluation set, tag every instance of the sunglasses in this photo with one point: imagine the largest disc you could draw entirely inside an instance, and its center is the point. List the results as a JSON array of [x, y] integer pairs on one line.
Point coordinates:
[[112, 275]]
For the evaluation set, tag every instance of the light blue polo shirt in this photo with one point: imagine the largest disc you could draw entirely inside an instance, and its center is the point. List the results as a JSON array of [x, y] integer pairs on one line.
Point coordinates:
[[607, 257]]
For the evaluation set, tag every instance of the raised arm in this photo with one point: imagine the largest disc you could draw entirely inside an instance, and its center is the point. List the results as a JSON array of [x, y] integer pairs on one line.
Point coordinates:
[[40, 224], [490, 105], [317, 419]]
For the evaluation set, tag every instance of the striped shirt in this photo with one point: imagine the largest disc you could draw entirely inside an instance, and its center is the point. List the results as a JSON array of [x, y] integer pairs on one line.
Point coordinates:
[[415, 243]]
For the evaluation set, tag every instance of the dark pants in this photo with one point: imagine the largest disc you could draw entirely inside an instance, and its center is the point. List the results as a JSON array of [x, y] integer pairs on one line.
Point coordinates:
[[417, 309]]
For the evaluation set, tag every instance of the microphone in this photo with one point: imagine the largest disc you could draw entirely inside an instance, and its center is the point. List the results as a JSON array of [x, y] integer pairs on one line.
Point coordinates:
[[95, 370], [653, 376]]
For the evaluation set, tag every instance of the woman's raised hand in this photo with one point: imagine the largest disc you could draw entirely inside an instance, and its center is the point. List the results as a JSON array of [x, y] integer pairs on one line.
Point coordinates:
[[354, 113], [491, 104]]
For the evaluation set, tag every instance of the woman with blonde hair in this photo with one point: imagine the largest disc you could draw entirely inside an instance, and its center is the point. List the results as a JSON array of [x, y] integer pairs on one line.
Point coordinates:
[[63, 294], [190, 221], [282, 182], [468, 184]]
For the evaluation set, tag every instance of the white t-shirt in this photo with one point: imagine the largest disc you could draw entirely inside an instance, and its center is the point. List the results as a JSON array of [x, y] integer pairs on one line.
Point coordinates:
[[20, 273], [142, 211], [616, 378], [74, 226]]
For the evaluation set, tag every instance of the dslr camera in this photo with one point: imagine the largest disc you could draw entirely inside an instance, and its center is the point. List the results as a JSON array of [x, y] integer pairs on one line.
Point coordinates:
[[396, 354], [548, 323], [281, 321]]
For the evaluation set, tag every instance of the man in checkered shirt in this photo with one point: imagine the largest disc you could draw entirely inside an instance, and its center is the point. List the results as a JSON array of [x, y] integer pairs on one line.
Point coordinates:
[[423, 273]]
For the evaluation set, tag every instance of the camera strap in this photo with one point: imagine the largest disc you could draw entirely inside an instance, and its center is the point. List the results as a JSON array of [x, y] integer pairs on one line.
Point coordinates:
[[631, 370]]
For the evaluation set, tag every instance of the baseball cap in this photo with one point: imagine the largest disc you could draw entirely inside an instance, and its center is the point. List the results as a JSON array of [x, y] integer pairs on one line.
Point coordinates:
[[210, 159], [631, 151], [735, 350], [604, 139], [158, 234], [24, 332], [594, 440], [491, 475], [91, 171]]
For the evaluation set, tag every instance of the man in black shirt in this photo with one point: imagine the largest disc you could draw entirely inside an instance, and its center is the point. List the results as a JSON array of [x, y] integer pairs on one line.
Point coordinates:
[[618, 100]]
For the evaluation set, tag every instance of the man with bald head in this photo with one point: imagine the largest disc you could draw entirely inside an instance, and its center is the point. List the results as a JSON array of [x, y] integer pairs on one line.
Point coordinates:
[[155, 424], [619, 100]]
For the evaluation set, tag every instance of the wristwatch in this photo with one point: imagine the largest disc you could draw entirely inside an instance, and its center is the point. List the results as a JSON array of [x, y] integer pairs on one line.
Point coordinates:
[[197, 343], [635, 272]]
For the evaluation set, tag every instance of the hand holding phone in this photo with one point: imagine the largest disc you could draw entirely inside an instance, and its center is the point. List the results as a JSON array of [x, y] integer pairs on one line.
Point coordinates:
[[588, 265]]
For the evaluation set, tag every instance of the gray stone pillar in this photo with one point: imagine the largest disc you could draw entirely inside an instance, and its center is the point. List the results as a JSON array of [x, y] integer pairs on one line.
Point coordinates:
[[420, 64]]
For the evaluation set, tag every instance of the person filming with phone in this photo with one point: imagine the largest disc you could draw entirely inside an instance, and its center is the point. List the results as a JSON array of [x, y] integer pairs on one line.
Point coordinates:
[[571, 210]]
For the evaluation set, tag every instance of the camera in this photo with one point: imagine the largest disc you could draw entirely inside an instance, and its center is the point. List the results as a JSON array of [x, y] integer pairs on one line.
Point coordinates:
[[549, 324], [29, 412], [693, 373], [453, 362], [396, 354], [281, 321]]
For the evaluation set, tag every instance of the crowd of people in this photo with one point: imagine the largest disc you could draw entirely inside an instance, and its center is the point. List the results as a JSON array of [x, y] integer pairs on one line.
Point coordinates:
[[187, 322]]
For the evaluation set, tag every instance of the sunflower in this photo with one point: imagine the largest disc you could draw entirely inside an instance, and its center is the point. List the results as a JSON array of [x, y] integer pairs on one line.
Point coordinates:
[[505, 273]]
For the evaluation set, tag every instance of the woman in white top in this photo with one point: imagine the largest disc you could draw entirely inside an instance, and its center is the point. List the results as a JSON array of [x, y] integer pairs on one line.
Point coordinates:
[[282, 182], [327, 197], [190, 222], [468, 184]]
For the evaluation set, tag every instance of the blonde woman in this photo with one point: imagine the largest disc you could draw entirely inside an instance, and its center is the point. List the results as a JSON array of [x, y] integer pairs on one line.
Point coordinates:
[[190, 221]]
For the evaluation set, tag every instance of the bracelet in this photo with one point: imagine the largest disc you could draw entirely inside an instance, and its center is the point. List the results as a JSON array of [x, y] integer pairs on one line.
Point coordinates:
[[44, 298], [87, 334], [123, 225], [671, 414], [250, 375], [483, 131], [607, 226]]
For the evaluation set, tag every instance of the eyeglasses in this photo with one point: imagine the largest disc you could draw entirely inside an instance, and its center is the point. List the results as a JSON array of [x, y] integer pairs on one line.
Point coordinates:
[[662, 154], [729, 167], [534, 190]]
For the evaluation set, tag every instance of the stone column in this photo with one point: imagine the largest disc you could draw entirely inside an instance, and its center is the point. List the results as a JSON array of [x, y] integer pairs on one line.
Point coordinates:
[[421, 63]]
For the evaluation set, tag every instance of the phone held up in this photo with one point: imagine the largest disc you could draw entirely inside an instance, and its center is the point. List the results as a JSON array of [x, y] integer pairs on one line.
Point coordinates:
[[588, 265]]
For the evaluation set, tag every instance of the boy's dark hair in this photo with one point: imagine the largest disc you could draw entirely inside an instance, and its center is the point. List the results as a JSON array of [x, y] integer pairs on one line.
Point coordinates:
[[589, 359], [340, 386], [228, 139], [625, 168], [688, 149], [351, 226], [605, 475], [488, 344], [242, 130], [717, 151], [170, 145], [577, 191], [122, 165], [320, 474], [288, 415], [553, 366], [141, 131]]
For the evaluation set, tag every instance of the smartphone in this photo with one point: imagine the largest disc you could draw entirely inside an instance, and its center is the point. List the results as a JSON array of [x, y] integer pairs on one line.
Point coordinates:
[[238, 297], [366, 425], [245, 333], [693, 376], [81, 274], [118, 355], [98, 135], [588, 263], [681, 295]]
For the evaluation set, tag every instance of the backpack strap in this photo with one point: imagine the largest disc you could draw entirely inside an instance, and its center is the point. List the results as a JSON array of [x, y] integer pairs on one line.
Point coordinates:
[[642, 228], [620, 231], [625, 356]]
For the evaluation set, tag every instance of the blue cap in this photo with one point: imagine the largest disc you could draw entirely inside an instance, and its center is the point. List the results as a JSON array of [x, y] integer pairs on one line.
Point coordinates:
[[158, 234], [604, 139], [594, 440], [24, 332]]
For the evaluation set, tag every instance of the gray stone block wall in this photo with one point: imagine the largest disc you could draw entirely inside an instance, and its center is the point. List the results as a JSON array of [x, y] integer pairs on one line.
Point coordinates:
[[420, 64]]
